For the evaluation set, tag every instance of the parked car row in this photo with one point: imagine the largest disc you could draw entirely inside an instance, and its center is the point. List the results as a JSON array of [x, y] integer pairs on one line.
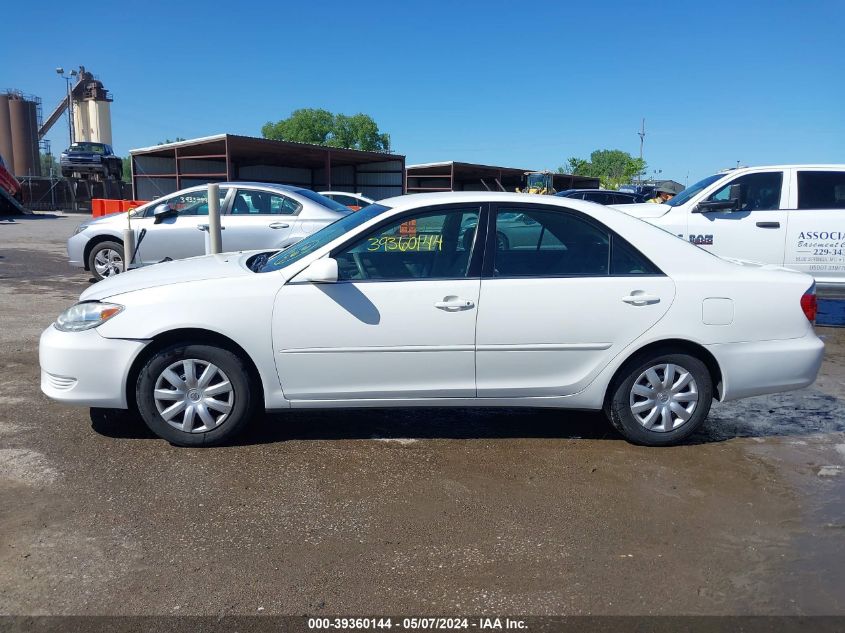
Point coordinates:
[[453, 299]]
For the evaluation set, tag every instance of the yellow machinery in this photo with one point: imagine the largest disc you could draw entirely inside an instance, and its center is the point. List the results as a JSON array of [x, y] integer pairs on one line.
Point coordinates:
[[538, 182]]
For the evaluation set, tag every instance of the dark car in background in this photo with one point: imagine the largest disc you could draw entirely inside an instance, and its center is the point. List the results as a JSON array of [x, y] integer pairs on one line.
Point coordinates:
[[91, 158], [602, 196]]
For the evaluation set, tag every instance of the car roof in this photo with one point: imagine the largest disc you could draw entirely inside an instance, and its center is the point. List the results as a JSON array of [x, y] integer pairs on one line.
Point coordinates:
[[749, 168], [265, 185], [458, 197]]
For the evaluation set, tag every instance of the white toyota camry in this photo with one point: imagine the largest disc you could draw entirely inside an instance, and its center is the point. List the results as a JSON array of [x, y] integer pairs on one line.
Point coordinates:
[[457, 299]]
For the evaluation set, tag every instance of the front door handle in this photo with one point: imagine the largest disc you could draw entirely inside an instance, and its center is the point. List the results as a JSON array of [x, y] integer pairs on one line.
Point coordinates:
[[640, 298], [768, 225], [454, 304], [204, 227], [279, 225]]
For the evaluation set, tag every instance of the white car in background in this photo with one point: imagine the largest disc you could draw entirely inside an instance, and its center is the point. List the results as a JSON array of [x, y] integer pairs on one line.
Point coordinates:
[[788, 215], [354, 201], [252, 215], [393, 307]]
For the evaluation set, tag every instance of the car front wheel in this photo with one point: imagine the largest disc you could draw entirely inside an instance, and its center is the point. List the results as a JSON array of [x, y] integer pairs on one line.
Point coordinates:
[[660, 399], [106, 260], [194, 395]]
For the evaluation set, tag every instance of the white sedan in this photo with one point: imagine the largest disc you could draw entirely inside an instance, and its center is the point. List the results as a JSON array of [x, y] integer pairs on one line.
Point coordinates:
[[252, 215], [394, 306]]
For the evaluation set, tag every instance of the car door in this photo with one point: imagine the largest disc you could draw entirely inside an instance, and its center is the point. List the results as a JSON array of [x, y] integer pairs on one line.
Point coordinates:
[[815, 242], [756, 229], [398, 324], [179, 236], [259, 218], [552, 316]]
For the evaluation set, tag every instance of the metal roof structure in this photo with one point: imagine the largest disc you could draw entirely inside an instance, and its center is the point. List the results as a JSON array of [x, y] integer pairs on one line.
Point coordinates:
[[458, 176], [162, 169]]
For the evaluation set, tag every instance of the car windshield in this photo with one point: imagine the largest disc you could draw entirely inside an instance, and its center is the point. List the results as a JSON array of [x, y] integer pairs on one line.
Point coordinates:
[[690, 191], [95, 148], [322, 237], [323, 200]]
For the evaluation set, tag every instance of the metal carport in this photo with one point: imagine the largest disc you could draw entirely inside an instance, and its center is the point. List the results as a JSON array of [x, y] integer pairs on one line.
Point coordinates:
[[456, 176], [163, 169]]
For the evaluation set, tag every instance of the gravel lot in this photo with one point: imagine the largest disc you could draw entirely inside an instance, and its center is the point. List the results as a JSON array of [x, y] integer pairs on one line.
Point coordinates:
[[405, 512]]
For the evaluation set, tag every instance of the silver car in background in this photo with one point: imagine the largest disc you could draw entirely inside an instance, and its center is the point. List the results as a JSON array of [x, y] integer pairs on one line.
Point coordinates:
[[253, 215]]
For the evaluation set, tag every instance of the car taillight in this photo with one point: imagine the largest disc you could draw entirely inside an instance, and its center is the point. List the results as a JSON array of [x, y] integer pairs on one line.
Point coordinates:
[[809, 304]]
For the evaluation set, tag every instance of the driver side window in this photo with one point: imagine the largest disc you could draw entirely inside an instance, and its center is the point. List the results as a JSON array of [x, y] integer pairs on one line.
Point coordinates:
[[432, 245], [189, 202], [755, 192]]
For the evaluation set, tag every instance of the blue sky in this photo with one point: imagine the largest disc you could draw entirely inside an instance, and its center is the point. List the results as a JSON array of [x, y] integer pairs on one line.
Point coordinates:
[[506, 83]]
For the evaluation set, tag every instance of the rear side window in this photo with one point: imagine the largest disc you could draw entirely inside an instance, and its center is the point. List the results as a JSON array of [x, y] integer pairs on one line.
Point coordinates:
[[627, 260], [821, 189], [539, 243], [544, 243]]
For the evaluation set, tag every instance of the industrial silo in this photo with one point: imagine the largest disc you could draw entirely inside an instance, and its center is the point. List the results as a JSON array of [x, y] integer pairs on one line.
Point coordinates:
[[23, 118], [6, 132]]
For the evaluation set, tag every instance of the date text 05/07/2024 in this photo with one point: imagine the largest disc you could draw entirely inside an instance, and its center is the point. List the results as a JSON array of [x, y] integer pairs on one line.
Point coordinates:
[[426, 623]]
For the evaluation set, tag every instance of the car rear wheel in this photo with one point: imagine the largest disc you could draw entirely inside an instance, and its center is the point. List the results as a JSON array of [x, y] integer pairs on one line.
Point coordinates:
[[194, 395], [660, 399], [106, 260]]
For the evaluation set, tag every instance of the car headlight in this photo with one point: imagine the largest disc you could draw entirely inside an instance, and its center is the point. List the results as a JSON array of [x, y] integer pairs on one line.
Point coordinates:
[[80, 227], [86, 315]]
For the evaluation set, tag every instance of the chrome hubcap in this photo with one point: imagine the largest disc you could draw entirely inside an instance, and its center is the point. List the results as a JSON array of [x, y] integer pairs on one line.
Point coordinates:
[[108, 263], [194, 396], [664, 397]]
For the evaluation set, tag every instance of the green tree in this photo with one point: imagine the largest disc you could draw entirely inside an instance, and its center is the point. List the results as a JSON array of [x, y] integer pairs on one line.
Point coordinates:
[[612, 167], [167, 140], [48, 161], [127, 169], [321, 127]]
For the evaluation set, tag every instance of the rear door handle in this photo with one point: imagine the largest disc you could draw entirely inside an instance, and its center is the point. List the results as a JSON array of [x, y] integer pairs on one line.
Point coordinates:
[[279, 225], [768, 225], [639, 298], [453, 304]]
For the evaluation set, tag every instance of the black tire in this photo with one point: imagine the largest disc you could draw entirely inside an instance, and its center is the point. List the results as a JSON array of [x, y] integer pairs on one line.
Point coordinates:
[[235, 370], [67, 173], [618, 408], [101, 247]]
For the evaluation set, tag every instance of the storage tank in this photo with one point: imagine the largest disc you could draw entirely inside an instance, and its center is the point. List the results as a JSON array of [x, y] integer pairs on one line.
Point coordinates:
[[23, 117], [91, 110], [6, 133]]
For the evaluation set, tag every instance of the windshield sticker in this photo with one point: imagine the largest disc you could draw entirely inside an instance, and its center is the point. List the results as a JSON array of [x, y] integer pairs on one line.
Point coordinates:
[[405, 243]]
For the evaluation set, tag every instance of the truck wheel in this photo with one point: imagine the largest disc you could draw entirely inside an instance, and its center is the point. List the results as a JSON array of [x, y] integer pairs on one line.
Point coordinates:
[[195, 395], [106, 260], [660, 399]]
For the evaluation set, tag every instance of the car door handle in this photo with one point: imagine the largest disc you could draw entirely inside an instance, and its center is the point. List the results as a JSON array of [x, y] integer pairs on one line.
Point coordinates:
[[279, 225], [639, 298], [768, 225], [204, 227], [453, 304]]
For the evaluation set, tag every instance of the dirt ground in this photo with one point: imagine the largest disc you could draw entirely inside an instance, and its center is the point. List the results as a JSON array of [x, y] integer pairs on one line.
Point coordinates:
[[405, 512]]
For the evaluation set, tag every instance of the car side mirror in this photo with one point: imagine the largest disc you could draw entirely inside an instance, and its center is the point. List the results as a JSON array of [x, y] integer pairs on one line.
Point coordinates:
[[717, 205], [321, 271], [162, 212]]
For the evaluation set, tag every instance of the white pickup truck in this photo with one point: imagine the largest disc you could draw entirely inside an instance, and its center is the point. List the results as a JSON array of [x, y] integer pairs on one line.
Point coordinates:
[[789, 215]]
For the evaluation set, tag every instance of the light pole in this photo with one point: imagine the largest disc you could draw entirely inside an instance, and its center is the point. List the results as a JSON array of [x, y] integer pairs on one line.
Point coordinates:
[[61, 73]]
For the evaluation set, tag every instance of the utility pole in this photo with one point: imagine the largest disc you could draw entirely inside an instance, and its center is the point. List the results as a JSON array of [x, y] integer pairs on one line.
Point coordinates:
[[641, 134]]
